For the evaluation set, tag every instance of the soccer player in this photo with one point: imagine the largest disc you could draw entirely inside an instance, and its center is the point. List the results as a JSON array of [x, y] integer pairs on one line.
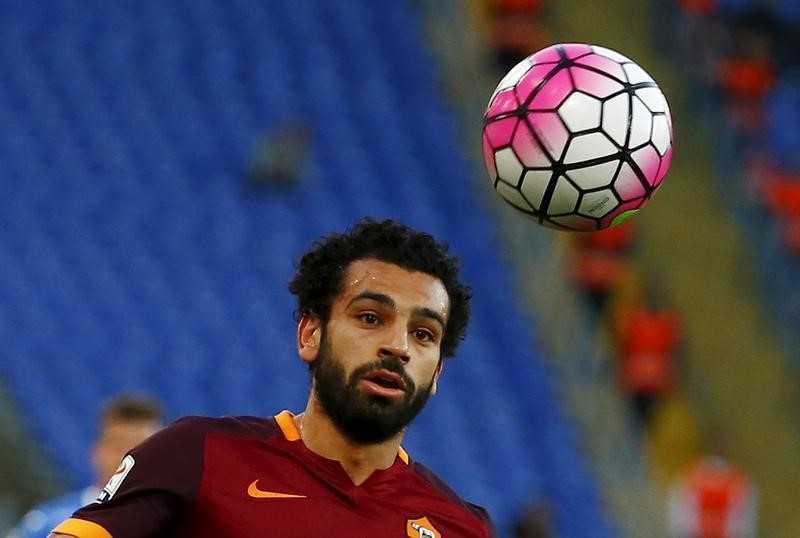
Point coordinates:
[[126, 421], [380, 307]]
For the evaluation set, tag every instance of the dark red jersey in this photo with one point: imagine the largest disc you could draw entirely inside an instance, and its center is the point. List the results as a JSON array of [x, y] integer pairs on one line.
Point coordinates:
[[254, 477]]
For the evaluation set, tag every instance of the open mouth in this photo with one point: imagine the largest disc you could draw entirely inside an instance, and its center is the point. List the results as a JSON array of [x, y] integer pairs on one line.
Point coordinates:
[[385, 382]]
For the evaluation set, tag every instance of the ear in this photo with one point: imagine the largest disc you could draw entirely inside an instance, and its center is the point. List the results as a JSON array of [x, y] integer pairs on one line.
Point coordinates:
[[96, 459], [309, 334], [436, 374], [94, 452]]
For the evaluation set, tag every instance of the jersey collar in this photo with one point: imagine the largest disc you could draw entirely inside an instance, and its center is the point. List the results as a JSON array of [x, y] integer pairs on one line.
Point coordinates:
[[285, 420]]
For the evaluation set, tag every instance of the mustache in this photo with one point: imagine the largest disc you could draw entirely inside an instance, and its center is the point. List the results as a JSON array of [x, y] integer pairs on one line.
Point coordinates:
[[387, 363]]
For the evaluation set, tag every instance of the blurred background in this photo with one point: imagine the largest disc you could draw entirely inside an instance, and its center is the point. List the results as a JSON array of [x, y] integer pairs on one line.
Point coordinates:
[[164, 164]]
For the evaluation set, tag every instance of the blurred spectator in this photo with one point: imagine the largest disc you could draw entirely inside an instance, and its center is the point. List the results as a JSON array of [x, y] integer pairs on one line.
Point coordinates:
[[536, 521], [791, 237], [517, 30], [648, 345], [747, 72], [280, 156], [702, 38], [601, 261], [698, 7], [713, 499], [751, 55], [778, 190], [750, 73], [782, 195], [126, 421]]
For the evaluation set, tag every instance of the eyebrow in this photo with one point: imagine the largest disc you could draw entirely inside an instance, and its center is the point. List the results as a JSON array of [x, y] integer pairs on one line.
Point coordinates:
[[429, 313], [382, 298]]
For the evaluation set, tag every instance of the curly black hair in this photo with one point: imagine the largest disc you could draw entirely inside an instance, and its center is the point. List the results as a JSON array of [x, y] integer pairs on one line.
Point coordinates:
[[318, 279]]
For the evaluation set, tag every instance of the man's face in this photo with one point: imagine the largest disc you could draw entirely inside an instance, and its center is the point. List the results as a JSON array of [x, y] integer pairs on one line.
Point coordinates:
[[116, 438], [379, 354]]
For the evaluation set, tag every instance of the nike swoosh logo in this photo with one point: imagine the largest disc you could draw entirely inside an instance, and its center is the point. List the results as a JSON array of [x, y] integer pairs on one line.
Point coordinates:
[[256, 493]]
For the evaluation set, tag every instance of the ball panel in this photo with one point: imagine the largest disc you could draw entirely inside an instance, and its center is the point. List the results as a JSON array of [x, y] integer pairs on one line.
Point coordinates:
[[551, 130], [615, 118], [608, 53], [576, 223], [641, 123], [576, 50], [528, 150], [553, 92], [604, 64], [594, 83], [500, 132], [628, 185], [661, 134], [636, 74], [513, 197], [666, 161], [652, 98], [509, 168], [564, 199], [593, 177], [503, 103], [513, 77], [597, 203], [580, 112], [534, 185], [488, 158], [668, 115], [550, 54], [648, 160], [531, 81], [589, 146]]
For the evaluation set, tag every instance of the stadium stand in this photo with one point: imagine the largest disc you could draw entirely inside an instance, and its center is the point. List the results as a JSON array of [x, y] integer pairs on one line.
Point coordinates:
[[133, 259], [749, 167], [758, 129]]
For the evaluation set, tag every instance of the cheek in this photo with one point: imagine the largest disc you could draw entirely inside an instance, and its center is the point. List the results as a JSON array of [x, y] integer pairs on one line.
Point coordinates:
[[427, 368], [353, 351]]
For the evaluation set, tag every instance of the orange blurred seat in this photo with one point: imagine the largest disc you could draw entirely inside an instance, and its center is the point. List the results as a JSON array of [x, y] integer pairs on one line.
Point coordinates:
[[746, 79], [782, 196]]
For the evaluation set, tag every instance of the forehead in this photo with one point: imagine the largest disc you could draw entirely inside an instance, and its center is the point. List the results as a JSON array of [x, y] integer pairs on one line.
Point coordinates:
[[406, 288]]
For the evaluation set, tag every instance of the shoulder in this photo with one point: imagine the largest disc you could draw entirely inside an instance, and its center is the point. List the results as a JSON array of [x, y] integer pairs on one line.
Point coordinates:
[[236, 425], [178, 450], [194, 429], [444, 490], [173, 459]]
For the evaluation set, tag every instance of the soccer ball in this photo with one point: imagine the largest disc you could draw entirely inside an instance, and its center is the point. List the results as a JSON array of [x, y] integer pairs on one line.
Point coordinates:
[[577, 137]]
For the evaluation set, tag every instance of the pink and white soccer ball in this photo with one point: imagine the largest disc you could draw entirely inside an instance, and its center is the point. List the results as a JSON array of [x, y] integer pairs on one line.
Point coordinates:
[[578, 137]]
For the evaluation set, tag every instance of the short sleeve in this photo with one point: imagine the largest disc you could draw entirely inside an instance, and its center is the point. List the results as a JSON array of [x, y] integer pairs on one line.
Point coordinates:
[[151, 488]]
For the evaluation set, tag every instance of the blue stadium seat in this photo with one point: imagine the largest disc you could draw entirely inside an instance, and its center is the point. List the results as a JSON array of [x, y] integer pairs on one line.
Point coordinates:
[[783, 120], [133, 260]]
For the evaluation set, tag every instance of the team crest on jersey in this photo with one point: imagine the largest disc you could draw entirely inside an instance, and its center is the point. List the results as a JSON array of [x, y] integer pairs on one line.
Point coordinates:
[[116, 479], [421, 528]]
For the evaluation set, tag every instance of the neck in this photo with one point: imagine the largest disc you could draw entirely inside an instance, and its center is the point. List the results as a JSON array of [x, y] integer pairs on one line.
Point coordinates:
[[321, 436]]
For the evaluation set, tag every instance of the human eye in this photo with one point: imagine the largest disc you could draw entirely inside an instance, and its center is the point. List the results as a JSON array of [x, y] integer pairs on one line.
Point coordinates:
[[424, 335], [369, 318]]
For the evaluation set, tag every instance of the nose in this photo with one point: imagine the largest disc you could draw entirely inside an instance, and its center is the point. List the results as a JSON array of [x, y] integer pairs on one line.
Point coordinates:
[[396, 346]]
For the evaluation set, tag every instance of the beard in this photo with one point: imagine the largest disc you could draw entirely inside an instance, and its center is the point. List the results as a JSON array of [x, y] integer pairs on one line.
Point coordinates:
[[364, 418]]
